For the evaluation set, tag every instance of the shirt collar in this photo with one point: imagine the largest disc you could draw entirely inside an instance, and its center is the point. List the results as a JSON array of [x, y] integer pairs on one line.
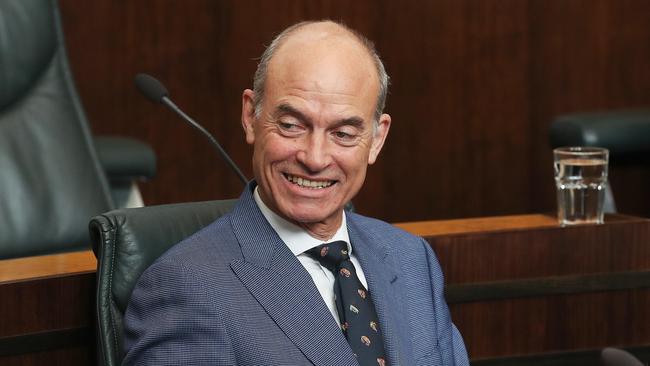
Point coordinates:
[[296, 238]]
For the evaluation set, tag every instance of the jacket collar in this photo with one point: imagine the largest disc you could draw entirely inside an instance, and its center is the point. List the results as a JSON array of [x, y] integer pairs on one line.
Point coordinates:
[[379, 259], [275, 277]]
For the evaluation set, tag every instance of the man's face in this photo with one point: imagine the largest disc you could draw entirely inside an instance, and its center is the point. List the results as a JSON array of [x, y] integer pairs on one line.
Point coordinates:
[[315, 136]]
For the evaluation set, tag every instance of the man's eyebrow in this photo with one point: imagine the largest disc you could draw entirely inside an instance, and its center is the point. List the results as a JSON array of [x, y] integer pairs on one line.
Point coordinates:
[[351, 121], [354, 121], [287, 109]]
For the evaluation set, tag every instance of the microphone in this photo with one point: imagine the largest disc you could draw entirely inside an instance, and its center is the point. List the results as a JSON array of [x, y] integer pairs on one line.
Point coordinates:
[[155, 91]]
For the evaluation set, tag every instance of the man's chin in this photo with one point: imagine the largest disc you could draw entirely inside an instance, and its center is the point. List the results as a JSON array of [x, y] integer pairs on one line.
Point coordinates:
[[312, 215]]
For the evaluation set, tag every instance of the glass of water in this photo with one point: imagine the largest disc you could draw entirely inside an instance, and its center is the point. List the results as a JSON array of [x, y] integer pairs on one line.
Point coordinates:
[[581, 180]]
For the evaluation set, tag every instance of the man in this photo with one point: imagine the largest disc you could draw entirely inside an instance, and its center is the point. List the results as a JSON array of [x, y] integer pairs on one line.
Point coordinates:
[[250, 289]]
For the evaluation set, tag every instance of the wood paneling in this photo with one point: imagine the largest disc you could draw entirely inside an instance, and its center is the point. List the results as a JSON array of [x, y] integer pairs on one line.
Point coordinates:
[[475, 85], [554, 323], [543, 251], [48, 320], [47, 306], [589, 315], [61, 357]]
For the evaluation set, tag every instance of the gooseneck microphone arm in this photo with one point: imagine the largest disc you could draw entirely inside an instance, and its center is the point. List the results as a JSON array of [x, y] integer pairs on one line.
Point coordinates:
[[166, 101], [156, 92]]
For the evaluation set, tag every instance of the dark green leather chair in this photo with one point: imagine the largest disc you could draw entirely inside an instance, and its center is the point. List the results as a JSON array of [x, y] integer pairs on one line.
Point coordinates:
[[126, 242], [51, 177], [626, 133]]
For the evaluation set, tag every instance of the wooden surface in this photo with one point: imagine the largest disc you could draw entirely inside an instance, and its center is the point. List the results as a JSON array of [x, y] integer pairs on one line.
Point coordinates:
[[475, 85], [47, 266], [47, 310], [479, 224]]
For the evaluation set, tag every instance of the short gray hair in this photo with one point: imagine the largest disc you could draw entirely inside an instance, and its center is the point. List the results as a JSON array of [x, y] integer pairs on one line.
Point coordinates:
[[259, 80]]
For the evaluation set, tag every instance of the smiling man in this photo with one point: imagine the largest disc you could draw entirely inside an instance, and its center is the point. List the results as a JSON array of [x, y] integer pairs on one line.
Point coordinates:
[[289, 277], [314, 126]]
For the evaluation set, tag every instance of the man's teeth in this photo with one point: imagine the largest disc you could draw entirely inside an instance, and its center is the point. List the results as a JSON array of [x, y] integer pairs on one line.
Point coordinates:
[[309, 183]]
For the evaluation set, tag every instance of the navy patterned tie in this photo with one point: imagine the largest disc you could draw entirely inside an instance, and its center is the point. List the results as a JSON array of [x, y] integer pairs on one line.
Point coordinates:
[[356, 310]]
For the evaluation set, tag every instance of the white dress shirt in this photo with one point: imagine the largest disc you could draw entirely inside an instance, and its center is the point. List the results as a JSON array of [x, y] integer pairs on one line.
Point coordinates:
[[299, 241]]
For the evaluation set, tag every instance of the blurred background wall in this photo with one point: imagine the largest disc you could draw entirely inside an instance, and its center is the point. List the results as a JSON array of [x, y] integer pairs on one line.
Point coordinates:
[[475, 86]]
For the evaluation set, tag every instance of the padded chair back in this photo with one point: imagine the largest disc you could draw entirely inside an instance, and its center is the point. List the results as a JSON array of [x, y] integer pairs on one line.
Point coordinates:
[[51, 181], [125, 243], [625, 133]]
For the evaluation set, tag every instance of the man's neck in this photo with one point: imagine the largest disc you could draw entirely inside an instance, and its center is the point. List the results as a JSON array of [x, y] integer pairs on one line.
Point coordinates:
[[316, 231], [319, 230]]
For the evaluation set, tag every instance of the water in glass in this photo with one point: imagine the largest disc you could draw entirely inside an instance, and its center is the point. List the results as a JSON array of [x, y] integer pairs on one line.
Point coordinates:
[[581, 187]]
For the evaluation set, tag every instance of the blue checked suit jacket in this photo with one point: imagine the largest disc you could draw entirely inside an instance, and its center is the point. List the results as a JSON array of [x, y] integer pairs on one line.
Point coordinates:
[[234, 294]]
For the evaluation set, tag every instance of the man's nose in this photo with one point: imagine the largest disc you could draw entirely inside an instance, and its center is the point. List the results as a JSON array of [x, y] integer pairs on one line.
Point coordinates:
[[315, 154]]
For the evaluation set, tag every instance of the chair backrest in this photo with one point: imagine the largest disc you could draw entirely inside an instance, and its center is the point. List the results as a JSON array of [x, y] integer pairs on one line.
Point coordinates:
[[126, 242], [625, 133], [51, 181]]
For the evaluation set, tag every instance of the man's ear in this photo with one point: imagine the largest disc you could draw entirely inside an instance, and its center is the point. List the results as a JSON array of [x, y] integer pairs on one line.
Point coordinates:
[[248, 115], [379, 137]]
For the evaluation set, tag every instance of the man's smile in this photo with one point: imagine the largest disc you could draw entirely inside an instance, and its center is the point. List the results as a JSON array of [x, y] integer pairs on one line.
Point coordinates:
[[308, 183]]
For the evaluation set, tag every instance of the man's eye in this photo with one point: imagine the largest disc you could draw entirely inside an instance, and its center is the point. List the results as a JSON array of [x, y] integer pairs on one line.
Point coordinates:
[[343, 135], [290, 129], [287, 126]]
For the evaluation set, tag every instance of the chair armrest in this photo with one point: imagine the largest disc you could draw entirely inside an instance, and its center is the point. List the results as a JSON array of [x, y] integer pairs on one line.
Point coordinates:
[[125, 158]]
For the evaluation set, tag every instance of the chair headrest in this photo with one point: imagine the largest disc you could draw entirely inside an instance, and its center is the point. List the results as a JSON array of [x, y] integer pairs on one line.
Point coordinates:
[[27, 46], [624, 133]]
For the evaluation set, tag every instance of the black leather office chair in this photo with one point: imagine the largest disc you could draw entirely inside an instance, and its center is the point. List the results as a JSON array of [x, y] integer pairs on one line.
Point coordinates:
[[626, 133], [51, 177], [126, 242]]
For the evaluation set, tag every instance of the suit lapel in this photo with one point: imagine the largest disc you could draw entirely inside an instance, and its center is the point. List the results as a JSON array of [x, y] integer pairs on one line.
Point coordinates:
[[382, 273], [281, 285]]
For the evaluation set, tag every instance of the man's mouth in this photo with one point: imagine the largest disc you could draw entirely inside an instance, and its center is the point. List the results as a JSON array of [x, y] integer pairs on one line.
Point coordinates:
[[306, 183]]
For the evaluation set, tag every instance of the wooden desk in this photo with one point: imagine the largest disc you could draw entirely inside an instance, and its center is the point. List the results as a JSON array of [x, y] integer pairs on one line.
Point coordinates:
[[47, 310], [524, 291]]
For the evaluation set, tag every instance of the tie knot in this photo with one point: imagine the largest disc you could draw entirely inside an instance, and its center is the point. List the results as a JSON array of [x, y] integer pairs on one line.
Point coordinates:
[[331, 254]]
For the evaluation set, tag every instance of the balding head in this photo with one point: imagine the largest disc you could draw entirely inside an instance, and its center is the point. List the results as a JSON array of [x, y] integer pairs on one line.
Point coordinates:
[[313, 123], [319, 37]]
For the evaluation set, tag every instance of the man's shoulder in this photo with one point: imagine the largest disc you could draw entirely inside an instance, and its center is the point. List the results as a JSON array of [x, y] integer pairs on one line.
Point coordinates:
[[381, 228], [410, 253], [214, 242]]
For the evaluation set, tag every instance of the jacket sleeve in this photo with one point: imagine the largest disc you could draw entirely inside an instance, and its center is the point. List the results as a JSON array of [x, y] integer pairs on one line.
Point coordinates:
[[169, 321], [450, 340]]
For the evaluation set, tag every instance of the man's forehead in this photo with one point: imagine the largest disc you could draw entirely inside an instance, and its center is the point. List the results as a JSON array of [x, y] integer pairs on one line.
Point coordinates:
[[329, 65], [352, 99]]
